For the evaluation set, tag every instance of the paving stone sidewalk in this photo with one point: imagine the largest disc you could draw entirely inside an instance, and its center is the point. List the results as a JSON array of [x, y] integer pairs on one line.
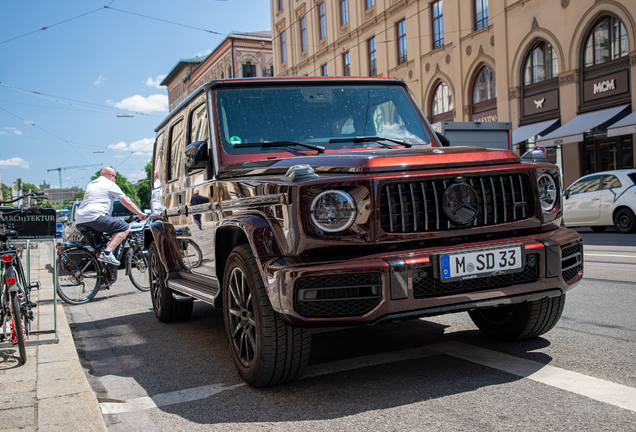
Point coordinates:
[[50, 392]]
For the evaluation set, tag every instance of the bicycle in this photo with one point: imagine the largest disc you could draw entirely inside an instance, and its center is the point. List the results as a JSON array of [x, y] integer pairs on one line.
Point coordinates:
[[15, 303], [81, 275], [190, 251]]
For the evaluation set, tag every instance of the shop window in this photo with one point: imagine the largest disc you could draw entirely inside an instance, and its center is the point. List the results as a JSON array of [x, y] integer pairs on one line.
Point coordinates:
[[607, 41], [541, 64], [484, 87]]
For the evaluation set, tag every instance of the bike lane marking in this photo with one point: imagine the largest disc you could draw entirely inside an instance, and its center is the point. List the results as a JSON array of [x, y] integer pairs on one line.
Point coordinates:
[[618, 395], [598, 389]]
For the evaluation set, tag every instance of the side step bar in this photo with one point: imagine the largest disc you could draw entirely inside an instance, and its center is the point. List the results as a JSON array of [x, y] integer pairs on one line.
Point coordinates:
[[193, 289]]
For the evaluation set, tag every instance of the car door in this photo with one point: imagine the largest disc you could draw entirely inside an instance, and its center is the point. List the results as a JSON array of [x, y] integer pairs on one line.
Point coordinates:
[[582, 204], [612, 189]]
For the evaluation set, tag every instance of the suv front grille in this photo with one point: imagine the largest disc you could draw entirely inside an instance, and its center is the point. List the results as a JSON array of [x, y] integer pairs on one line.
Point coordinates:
[[338, 295], [571, 261], [408, 207], [425, 285]]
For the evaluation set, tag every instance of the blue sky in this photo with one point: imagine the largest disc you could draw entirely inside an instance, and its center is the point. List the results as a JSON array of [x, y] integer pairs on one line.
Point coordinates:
[[91, 64]]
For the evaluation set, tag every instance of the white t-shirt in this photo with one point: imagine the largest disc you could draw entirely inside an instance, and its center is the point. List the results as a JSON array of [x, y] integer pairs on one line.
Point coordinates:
[[155, 200], [98, 199]]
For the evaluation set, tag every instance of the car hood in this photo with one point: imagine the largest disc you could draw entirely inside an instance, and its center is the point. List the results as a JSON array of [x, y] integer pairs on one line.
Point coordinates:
[[378, 161]]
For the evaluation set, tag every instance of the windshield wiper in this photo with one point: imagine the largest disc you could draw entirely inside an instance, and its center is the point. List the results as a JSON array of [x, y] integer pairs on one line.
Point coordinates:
[[269, 144], [371, 138]]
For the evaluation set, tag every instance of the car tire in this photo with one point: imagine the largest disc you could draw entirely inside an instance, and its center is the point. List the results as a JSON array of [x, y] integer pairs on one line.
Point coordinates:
[[166, 307], [625, 221], [598, 228], [519, 321], [264, 349]]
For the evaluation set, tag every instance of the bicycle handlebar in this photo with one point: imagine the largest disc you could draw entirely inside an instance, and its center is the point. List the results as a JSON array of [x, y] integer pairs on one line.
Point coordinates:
[[32, 194], [32, 209]]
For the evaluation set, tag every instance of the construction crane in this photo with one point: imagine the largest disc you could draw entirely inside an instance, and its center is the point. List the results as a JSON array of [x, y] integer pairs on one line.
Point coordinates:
[[59, 170]]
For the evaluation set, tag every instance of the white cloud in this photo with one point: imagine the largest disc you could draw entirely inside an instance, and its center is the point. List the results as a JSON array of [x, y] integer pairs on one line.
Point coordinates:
[[152, 103], [11, 130], [204, 53], [137, 176], [155, 82], [14, 162], [100, 80], [119, 157], [141, 147]]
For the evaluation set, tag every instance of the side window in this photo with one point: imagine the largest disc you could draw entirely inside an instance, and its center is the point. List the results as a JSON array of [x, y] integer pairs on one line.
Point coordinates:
[[175, 150], [198, 124], [590, 184], [611, 182], [160, 153]]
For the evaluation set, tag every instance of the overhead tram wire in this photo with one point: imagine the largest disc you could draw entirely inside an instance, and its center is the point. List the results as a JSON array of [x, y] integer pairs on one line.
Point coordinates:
[[166, 21], [44, 130]]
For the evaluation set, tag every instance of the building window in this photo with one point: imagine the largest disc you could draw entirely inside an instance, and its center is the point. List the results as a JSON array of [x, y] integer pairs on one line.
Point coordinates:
[[346, 64], [481, 14], [249, 70], [369, 3], [303, 34], [484, 88], [344, 12], [280, 4], [283, 47], [401, 35], [322, 23], [541, 64], [442, 100], [438, 24], [607, 41], [229, 72], [373, 69], [323, 70]]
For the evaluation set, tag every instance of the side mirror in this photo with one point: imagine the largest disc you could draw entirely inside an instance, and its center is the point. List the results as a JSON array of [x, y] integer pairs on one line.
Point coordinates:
[[147, 211], [442, 139], [196, 155], [62, 219]]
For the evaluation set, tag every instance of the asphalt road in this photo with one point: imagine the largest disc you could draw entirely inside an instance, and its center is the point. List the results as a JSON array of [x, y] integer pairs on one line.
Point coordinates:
[[438, 374]]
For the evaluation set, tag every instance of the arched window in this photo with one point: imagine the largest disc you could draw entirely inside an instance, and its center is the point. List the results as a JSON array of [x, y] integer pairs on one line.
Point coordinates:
[[484, 87], [442, 100], [541, 64], [607, 41]]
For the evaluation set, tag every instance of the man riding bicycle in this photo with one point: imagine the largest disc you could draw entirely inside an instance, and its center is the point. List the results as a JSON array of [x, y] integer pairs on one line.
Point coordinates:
[[95, 210]]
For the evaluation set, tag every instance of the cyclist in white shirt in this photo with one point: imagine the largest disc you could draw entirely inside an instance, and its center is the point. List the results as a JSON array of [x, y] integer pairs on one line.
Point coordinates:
[[96, 207]]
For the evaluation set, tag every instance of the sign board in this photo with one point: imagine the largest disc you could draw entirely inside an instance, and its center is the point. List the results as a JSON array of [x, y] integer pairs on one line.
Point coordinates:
[[33, 226], [497, 135]]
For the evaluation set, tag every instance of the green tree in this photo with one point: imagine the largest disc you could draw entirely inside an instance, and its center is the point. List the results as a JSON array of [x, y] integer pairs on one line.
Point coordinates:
[[28, 186], [6, 192], [126, 187], [144, 193]]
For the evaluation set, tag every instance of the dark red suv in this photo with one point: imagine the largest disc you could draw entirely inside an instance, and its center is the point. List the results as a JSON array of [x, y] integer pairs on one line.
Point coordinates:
[[320, 202]]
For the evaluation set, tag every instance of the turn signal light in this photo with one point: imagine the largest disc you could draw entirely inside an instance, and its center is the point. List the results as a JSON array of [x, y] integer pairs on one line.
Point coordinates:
[[10, 280], [7, 258]]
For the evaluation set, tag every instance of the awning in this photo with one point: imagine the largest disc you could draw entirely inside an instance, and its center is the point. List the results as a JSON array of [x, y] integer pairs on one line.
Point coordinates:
[[522, 133], [573, 131], [625, 126]]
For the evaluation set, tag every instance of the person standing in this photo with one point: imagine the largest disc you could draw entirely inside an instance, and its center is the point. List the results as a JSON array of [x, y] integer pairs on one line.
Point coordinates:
[[198, 199], [96, 207]]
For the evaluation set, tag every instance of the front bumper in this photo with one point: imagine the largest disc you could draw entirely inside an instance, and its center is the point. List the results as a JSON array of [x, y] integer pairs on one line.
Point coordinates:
[[390, 287]]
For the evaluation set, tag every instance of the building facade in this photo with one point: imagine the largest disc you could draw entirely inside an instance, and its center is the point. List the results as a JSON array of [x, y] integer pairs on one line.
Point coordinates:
[[57, 196], [239, 55], [550, 67]]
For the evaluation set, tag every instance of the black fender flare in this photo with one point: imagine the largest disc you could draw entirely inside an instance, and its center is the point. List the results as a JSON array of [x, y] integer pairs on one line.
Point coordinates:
[[164, 236]]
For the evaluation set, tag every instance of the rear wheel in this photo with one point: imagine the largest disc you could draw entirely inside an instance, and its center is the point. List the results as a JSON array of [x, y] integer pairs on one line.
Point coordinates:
[[137, 267], [625, 221], [264, 349], [520, 321], [79, 276], [166, 307], [18, 326]]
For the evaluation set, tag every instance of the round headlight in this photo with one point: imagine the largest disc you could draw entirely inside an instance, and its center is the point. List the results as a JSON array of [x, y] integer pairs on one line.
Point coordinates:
[[548, 192], [333, 210]]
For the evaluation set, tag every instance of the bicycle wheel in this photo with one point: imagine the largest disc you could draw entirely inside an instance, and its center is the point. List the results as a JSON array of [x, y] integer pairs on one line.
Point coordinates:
[[137, 268], [79, 276], [18, 327], [191, 253]]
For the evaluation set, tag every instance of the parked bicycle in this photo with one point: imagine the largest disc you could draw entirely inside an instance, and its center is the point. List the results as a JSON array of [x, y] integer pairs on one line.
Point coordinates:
[[190, 251], [81, 275], [15, 303]]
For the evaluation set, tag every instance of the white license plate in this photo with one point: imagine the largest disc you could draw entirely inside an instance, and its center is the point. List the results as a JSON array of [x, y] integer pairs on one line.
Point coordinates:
[[482, 262]]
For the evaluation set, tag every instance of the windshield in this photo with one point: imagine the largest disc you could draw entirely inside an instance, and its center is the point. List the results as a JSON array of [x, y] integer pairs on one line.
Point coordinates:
[[119, 209], [322, 115]]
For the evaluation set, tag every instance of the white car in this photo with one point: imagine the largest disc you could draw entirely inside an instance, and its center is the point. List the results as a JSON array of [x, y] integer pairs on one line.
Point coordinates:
[[602, 199]]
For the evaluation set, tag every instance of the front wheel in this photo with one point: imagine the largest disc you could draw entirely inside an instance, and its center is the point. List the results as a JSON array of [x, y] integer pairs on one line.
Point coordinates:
[[191, 253], [264, 349], [137, 268], [18, 327], [625, 221], [166, 307], [519, 321], [79, 276]]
